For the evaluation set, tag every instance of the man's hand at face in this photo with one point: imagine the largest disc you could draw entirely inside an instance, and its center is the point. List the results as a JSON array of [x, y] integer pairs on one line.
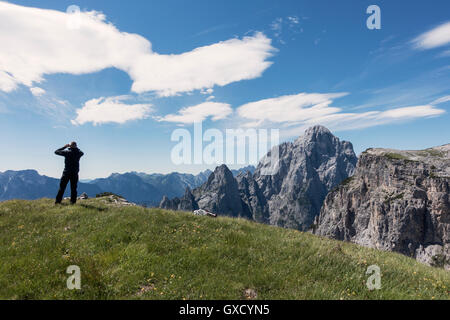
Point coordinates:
[[67, 146]]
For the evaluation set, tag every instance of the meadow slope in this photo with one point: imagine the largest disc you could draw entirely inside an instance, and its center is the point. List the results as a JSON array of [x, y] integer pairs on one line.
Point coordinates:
[[139, 253]]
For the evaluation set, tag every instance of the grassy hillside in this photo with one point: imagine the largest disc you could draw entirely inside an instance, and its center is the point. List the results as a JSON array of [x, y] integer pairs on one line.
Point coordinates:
[[137, 253]]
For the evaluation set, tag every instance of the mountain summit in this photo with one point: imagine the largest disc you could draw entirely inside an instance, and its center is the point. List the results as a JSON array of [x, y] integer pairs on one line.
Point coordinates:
[[309, 168]]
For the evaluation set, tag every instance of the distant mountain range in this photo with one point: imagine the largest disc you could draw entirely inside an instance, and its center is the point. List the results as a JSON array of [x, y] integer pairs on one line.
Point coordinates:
[[30, 185], [141, 188]]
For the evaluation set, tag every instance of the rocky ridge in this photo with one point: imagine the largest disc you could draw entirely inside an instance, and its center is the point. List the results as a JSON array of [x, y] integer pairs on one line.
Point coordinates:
[[397, 201]]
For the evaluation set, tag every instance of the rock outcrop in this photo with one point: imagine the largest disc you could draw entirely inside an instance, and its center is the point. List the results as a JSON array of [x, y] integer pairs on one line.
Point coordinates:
[[220, 195], [185, 203], [254, 203], [397, 201]]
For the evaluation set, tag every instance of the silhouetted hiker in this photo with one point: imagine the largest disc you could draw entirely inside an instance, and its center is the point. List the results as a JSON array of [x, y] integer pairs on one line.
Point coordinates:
[[72, 167]]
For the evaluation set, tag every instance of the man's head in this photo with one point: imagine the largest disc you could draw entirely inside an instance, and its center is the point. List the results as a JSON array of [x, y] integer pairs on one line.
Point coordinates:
[[73, 145]]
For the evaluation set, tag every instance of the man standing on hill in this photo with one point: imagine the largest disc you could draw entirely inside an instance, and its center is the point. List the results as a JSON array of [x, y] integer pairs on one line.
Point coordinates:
[[72, 166]]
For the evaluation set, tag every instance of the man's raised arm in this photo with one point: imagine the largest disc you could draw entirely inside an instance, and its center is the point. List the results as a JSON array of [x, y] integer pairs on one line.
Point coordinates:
[[60, 151]]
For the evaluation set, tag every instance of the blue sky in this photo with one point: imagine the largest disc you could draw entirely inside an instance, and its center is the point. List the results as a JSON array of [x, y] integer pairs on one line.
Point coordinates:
[[121, 79]]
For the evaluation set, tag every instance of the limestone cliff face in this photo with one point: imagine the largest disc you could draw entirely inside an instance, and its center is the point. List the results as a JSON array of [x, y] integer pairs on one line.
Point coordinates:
[[309, 168], [397, 201], [254, 203]]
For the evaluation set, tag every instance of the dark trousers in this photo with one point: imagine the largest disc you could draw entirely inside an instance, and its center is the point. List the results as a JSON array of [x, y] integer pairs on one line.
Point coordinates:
[[66, 177]]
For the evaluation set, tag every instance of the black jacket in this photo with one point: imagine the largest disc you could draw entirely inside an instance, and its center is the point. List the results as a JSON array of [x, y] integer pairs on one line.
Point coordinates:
[[72, 159]]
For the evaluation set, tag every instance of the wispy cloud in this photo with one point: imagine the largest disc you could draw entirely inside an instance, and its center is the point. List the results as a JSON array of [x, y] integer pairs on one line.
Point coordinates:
[[444, 54], [277, 26], [214, 29], [35, 49], [296, 112], [293, 20], [214, 110], [441, 100], [111, 110], [290, 108], [436, 37], [289, 25]]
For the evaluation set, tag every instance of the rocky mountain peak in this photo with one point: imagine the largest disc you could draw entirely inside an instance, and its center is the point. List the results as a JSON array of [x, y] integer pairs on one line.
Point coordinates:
[[291, 197], [317, 131], [308, 168], [221, 175], [219, 194]]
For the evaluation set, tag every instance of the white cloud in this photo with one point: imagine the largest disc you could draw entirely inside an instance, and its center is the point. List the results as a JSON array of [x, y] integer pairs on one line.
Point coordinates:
[[294, 113], [7, 82], [207, 91], [111, 110], [36, 42], [434, 38], [441, 100], [291, 108], [37, 92], [200, 112]]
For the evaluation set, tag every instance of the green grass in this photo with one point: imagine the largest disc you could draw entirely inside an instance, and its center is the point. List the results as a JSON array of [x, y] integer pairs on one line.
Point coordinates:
[[395, 156], [138, 253], [433, 153]]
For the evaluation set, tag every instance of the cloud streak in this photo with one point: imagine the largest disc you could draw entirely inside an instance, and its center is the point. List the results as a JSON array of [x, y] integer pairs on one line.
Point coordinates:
[[214, 110], [294, 113], [37, 42], [434, 38]]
